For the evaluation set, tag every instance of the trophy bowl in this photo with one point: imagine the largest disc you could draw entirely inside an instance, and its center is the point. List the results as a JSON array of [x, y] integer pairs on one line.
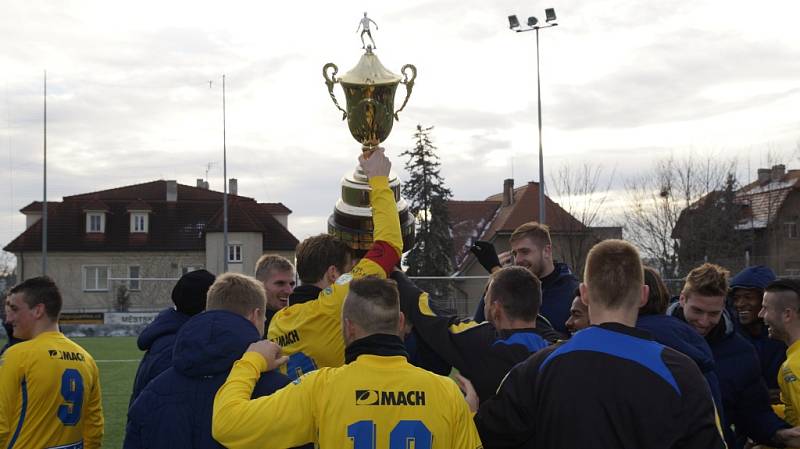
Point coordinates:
[[369, 91]]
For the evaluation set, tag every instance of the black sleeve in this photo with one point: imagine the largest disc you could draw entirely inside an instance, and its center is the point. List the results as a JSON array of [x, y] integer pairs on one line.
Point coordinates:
[[507, 419], [703, 426], [444, 334]]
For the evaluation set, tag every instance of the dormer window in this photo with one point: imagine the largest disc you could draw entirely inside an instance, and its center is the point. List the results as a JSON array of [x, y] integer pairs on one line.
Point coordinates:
[[139, 222], [95, 222]]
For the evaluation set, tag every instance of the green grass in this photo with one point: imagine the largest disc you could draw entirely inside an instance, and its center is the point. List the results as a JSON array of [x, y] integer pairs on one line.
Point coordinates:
[[117, 371]]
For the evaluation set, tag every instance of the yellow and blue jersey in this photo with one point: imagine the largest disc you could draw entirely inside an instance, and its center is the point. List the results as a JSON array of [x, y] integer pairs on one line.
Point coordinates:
[[789, 383], [310, 333], [49, 395], [373, 402]]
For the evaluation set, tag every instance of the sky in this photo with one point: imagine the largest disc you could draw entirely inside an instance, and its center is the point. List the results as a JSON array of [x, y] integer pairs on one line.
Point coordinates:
[[624, 84]]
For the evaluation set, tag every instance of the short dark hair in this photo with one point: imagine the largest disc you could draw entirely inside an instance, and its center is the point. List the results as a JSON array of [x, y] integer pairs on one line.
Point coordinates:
[[315, 254], [786, 285], [613, 274], [658, 297], [374, 305], [518, 291], [41, 290]]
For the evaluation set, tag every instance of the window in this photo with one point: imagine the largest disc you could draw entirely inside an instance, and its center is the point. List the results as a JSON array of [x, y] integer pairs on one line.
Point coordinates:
[[138, 222], [134, 272], [95, 278], [791, 229], [235, 253], [95, 222]]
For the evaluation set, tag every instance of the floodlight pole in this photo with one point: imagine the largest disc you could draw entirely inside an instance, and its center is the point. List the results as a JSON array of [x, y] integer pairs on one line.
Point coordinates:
[[542, 214], [225, 186]]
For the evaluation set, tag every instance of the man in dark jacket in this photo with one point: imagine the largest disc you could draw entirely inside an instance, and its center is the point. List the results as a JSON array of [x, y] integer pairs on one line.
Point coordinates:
[[747, 294], [174, 410], [532, 248], [483, 351], [610, 385], [189, 296], [744, 394]]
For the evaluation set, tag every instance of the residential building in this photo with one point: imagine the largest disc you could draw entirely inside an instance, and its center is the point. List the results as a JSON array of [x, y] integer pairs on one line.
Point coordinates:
[[496, 217], [156, 230]]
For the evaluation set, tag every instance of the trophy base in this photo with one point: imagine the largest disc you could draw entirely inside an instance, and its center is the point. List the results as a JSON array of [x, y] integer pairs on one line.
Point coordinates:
[[351, 221]]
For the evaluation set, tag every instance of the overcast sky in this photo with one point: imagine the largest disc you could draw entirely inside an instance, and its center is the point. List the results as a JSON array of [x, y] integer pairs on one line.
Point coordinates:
[[624, 83]]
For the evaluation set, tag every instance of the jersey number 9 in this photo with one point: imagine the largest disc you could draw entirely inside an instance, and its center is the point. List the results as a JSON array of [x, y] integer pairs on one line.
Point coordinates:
[[72, 391], [363, 435]]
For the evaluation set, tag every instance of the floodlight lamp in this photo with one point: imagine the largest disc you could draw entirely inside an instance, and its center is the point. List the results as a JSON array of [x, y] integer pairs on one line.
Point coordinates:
[[551, 14], [532, 21], [513, 22]]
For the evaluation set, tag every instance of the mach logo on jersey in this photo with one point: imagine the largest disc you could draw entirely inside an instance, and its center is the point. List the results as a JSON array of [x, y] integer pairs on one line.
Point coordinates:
[[377, 397], [65, 355]]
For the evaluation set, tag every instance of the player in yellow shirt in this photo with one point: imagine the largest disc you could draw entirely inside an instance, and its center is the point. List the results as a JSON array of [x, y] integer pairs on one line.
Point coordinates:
[[310, 332], [377, 400], [781, 313], [49, 386]]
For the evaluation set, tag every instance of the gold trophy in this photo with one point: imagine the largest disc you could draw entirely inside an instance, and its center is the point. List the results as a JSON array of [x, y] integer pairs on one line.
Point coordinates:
[[369, 90]]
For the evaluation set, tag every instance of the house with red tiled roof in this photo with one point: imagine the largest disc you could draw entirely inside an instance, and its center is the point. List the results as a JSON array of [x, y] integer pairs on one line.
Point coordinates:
[[100, 241], [768, 220], [496, 217]]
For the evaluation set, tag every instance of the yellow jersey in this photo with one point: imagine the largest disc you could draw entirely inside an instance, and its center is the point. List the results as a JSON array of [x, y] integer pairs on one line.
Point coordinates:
[[790, 384], [49, 395], [310, 333], [374, 402]]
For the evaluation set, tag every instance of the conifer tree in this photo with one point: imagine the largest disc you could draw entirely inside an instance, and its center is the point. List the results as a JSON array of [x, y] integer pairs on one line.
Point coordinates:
[[432, 253]]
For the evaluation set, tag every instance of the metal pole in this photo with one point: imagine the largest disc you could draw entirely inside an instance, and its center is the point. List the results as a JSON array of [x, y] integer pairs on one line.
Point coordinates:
[[44, 185], [542, 215], [225, 187]]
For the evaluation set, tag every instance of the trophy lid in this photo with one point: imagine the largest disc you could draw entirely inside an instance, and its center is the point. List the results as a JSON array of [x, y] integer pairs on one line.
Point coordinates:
[[369, 71]]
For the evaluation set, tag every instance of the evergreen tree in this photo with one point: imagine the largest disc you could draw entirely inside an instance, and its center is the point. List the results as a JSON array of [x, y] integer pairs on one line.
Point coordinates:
[[432, 253]]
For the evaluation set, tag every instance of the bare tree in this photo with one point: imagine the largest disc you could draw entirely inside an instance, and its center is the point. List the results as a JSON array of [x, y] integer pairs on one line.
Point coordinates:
[[582, 191], [657, 198]]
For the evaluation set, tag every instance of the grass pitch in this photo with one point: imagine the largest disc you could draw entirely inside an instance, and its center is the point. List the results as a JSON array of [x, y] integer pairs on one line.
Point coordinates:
[[117, 359]]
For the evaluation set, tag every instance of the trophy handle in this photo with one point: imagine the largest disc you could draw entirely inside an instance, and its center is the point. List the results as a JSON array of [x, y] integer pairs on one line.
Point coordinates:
[[409, 83], [330, 81]]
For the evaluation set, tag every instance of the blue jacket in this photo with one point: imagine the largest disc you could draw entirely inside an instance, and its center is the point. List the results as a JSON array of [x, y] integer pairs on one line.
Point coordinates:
[[744, 394], [157, 339], [174, 410], [676, 334], [558, 291]]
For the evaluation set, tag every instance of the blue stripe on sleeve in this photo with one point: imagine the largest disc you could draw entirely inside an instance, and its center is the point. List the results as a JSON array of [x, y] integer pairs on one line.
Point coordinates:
[[21, 414], [596, 339]]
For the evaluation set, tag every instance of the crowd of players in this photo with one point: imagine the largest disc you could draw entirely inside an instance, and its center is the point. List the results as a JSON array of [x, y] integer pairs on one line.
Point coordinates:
[[356, 356]]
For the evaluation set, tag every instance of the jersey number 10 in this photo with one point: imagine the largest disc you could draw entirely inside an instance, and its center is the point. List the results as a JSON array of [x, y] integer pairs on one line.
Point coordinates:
[[363, 435], [72, 391]]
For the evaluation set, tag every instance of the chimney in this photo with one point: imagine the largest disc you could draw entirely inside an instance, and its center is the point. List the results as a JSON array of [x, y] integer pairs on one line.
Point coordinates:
[[763, 175], [200, 184], [508, 192], [172, 191], [233, 186], [777, 172]]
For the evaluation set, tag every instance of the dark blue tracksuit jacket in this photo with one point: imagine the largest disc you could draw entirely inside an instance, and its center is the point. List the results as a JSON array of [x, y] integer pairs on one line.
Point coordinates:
[[174, 410], [157, 339], [558, 291], [676, 334], [744, 394]]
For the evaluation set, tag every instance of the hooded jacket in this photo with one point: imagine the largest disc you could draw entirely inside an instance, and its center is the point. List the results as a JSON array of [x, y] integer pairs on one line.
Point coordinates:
[[174, 410], [676, 334], [558, 291], [744, 394], [771, 352], [157, 339]]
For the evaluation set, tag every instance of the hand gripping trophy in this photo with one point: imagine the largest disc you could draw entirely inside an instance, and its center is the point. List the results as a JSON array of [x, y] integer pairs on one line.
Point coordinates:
[[369, 90]]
